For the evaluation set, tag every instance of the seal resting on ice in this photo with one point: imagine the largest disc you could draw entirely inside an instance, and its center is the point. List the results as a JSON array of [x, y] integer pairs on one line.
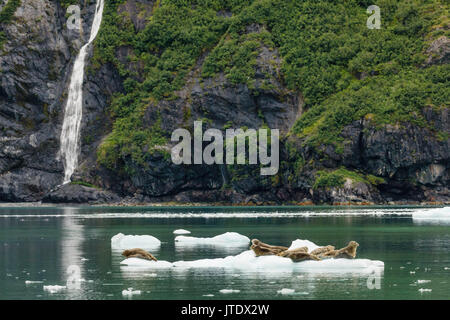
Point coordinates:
[[299, 254], [322, 251], [138, 253], [264, 249], [348, 252]]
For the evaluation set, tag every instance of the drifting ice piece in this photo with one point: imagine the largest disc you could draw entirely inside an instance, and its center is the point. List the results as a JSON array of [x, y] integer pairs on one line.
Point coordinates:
[[437, 215], [181, 231], [123, 242], [229, 239]]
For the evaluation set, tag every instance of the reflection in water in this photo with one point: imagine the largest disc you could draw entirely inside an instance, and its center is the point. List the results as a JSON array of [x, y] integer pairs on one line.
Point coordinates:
[[71, 253]]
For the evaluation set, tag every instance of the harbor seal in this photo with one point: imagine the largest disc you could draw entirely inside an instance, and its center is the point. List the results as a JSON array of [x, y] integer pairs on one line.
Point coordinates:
[[348, 252], [298, 255], [264, 249], [138, 253], [322, 250]]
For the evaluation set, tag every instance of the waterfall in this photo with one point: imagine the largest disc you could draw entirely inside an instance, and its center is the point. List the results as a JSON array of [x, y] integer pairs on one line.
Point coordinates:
[[73, 113]]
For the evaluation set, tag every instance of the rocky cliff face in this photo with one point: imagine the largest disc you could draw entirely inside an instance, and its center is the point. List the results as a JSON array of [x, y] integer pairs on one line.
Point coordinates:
[[36, 61], [35, 65]]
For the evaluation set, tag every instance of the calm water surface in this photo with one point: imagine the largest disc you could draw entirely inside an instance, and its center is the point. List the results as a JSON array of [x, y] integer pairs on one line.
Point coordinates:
[[40, 243]]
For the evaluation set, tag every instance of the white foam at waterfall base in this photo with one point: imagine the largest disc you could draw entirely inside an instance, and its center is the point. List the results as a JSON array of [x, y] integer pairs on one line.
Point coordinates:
[[74, 107], [229, 239], [248, 261], [123, 242]]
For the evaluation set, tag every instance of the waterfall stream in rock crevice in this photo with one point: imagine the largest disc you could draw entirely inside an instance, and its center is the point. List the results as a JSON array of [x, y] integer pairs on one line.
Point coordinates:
[[73, 113]]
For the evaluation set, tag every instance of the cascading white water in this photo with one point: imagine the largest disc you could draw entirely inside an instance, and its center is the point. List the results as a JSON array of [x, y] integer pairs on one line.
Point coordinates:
[[74, 108]]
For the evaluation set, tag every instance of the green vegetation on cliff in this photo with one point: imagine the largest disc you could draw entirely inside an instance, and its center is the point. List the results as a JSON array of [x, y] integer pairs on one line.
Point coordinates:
[[336, 178], [344, 70], [8, 10]]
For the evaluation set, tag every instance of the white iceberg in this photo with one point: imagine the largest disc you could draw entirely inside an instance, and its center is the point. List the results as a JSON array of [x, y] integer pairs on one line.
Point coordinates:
[[229, 239], [130, 292], [123, 242], [228, 291], [181, 231], [248, 261], [286, 291], [436, 215]]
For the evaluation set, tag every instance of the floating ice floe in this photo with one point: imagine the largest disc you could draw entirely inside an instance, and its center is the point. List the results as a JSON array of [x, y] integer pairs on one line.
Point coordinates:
[[421, 290], [285, 291], [436, 215], [423, 281], [228, 291], [181, 231], [32, 282], [229, 239], [248, 261], [54, 289], [130, 292], [123, 242], [141, 263]]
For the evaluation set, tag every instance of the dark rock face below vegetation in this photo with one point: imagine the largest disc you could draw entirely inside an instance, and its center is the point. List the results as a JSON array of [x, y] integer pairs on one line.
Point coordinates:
[[73, 193], [371, 163]]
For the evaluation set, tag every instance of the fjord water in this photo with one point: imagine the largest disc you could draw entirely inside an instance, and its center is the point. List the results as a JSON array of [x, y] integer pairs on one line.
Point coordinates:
[[40, 243], [74, 107]]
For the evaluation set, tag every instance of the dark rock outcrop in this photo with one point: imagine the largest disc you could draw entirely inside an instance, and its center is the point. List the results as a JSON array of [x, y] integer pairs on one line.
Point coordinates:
[[439, 51], [78, 194]]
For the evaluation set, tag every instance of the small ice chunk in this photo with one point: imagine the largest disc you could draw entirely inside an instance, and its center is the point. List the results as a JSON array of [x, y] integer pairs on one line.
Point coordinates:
[[229, 239], [423, 281], [130, 292], [286, 291], [54, 289], [123, 242], [208, 295], [421, 290], [228, 291], [181, 231], [32, 282], [152, 275]]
